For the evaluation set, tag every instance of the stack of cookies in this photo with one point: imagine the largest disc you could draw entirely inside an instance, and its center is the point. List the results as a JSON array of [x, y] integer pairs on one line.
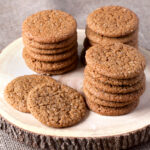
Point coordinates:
[[113, 78], [111, 24], [50, 40]]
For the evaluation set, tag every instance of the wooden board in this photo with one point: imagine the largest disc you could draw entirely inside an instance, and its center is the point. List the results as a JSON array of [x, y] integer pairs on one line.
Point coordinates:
[[95, 132]]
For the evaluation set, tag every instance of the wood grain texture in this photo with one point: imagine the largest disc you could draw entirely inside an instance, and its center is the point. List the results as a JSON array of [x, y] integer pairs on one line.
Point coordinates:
[[59, 143]]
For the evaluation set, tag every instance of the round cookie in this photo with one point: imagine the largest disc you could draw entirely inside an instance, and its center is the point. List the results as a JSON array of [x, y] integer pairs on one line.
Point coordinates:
[[113, 97], [17, 90], [51, 51], [97, 38], [116, 60], [56, 105], [110, 111], [113, 21], [89, 71], [133, 43], [52, 58], [102, 102], [48, 66], [49, 26], [44, 46], [55, 72], [114, 89]]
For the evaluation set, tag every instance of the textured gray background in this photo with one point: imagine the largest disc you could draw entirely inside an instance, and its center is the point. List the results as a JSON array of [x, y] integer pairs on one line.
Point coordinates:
[[13, 12]]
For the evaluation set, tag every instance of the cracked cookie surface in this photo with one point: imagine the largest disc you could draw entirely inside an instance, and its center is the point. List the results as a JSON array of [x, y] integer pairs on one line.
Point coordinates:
[[49, 26], [113, 21], [116, 60], [17, 90], [56, 105]]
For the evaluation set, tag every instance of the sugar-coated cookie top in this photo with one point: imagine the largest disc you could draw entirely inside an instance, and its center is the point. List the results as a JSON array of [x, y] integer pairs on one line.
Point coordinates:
[[49, 26], [116, 60], [113, 21], [56, 105]]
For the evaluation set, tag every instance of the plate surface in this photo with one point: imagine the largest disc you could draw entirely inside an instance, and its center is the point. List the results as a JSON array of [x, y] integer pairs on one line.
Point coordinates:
[[12, 65]]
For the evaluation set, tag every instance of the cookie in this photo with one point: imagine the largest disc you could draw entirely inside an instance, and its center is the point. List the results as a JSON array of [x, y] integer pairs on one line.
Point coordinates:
[[92, 43], [44, 46], [113, 21], [56, 105], [97, 38], [51, 51], [112, 88], [55, 72], [17, 90], [111, 111], [133, 43], [49, 26], [89, 71], [52, 58], [116, 60], [48, 66], [113, 97], [102, 102]]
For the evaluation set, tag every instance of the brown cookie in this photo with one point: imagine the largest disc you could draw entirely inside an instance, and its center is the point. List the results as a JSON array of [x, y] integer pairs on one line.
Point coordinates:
[[49, 26], [89, 71], [48, 66], [52, 58], [116, 60], [113, 97], [97, 38], [113, 21], [55, 72], [48, 46], [133, 43], [111, 111], [17, 90], [113, 88], [102, 102], [56, 105], [51, 51]]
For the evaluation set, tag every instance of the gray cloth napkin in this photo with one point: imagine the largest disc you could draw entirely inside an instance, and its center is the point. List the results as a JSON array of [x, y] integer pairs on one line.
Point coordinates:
[[13, 12]]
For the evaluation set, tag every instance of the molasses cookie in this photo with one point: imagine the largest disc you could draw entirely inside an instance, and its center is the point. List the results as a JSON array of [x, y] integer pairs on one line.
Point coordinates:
[[116, 60], [113, 97], [51, 51], [48, 66], [111, 111], [49, 26], [17, 90], [102, 102], [56, 105], [97, 38], [113, 88], [44, 46], [89, 71], [113, 21], [52, 58]]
